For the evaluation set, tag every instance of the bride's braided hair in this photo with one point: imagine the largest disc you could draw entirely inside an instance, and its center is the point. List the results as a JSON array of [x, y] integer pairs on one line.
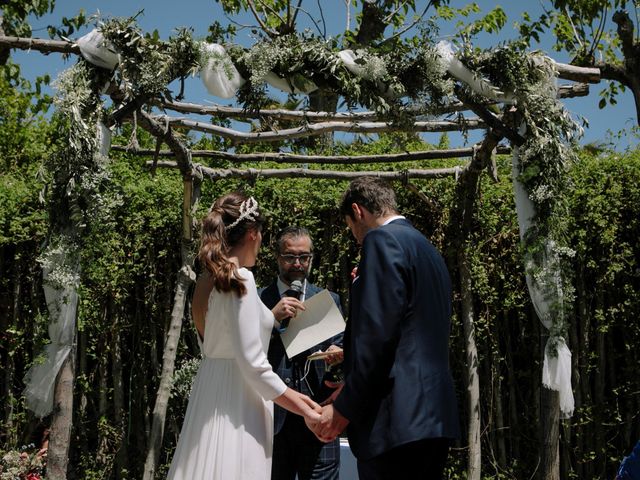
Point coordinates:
[[228, 220]]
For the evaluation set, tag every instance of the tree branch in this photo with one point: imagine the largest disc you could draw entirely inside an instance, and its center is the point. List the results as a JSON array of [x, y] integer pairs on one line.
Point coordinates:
[[408, 27], [263, 25], [490, 119], [313, 20], [181, 152], [564, 91], [295, 12], [266, 7], [41, 45], [579, 74], [625, 32], [371, 26], [610, 71]]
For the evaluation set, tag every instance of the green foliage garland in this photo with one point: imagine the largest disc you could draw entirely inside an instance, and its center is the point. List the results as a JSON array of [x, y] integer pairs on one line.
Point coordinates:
[[408, 70], [544, 162], [148, 64]]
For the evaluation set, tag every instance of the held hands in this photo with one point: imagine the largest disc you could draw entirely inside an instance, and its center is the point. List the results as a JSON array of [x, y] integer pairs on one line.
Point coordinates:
[[300, 404], [330, 424], [311, 411], [287, 307]]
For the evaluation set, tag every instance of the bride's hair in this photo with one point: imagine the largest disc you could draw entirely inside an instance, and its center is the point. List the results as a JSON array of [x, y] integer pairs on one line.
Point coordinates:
[[229, 219]]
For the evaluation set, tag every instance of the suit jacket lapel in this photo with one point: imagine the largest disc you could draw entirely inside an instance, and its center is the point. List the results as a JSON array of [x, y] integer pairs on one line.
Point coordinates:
[[271, 295]]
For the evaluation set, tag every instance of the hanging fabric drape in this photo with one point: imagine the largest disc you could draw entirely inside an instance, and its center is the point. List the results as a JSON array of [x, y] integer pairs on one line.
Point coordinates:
[[556, 369], [62, 302], [218, 73], [60, 278]]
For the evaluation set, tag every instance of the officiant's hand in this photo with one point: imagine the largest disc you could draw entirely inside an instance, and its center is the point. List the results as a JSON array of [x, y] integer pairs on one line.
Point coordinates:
[[287, 307], [336, 357]]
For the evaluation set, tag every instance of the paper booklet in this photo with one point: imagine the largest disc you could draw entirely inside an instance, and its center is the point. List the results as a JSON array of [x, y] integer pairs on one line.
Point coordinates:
[[321, 320]]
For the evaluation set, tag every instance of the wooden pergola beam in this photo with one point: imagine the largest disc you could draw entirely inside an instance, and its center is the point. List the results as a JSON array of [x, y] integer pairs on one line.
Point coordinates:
[[566, 71], [317, 128], [254, 173], [283, 157], [179, 150], [39, 44], [578, 74], [222, 111]]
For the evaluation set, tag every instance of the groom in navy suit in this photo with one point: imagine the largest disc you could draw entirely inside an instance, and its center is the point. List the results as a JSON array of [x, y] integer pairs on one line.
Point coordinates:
[[296, 451], [398, 401]]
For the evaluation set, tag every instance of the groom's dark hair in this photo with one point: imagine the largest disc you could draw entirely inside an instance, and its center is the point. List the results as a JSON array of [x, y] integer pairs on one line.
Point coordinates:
[[372, 193]]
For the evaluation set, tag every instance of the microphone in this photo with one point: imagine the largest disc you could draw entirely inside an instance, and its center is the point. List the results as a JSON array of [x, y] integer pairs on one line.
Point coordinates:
[[295, 290]]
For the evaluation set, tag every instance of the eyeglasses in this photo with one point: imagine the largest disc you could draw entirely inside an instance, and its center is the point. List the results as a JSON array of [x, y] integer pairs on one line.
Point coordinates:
[[304, 259]]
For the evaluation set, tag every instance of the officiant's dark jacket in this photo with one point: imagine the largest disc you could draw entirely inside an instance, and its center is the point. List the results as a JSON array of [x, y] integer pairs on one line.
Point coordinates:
[[292, 370], [398, 387]]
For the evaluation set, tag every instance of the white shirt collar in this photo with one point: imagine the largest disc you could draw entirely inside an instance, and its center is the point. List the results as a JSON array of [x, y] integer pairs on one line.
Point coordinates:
[[391, 219]]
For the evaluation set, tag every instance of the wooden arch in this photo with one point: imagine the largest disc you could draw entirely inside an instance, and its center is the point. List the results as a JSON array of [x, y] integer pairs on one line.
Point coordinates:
[[177, 155]]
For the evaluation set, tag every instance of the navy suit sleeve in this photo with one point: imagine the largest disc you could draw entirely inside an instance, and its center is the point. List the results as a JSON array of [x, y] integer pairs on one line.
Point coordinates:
[[336, 339], [379, 299]]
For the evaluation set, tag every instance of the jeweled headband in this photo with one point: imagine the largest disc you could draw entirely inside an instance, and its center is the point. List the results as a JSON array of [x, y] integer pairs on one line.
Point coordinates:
[[248, 211]]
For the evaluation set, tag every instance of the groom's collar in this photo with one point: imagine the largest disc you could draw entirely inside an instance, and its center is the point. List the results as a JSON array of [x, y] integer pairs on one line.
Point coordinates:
[[391, 219]]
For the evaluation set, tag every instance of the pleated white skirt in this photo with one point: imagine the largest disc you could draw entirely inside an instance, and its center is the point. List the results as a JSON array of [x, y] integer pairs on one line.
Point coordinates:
[[227, 432]]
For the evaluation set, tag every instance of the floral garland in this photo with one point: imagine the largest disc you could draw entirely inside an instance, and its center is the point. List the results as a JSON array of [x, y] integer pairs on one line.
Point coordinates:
[[388, 77], [544, 161], [148, 64]]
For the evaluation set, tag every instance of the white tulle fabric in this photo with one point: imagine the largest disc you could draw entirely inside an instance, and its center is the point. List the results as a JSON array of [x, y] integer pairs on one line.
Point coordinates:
[[356, 62], [556, 369], [353, 62], [228, 428], [62, 304], [458, 70], [219, 74], [96, 50], [40, 379]]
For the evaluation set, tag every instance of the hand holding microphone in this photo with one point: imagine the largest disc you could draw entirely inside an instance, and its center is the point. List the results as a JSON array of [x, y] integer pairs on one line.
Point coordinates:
[[290, 303]]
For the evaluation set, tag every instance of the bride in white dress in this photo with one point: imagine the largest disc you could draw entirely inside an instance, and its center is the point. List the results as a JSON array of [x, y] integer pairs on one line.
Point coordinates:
[[227, 432]]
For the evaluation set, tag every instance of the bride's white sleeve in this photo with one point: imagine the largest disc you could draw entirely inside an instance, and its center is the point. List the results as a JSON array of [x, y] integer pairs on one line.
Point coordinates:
[[250, 354]]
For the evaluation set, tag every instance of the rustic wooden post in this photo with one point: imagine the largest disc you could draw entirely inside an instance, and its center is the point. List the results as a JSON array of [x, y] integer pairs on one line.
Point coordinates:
[[460, 228], [186, 277], [62, 420]]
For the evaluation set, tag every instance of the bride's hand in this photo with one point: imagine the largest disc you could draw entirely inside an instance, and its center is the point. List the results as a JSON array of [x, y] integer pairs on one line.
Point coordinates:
[[300, 404], [311, 410], [312, 414]]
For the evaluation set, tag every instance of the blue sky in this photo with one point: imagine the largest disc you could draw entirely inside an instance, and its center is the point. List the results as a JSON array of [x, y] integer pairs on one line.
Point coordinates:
[[166, 15]]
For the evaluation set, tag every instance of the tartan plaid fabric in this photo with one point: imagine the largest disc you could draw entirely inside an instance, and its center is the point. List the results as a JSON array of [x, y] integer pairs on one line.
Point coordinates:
[[297, 451]]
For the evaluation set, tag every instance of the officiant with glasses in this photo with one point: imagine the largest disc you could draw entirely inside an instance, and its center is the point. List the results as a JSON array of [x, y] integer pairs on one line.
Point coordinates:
[[296, 450]]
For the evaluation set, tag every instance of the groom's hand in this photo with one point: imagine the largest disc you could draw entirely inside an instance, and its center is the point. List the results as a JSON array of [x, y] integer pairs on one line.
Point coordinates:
[[338, 388], [331, 424]]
